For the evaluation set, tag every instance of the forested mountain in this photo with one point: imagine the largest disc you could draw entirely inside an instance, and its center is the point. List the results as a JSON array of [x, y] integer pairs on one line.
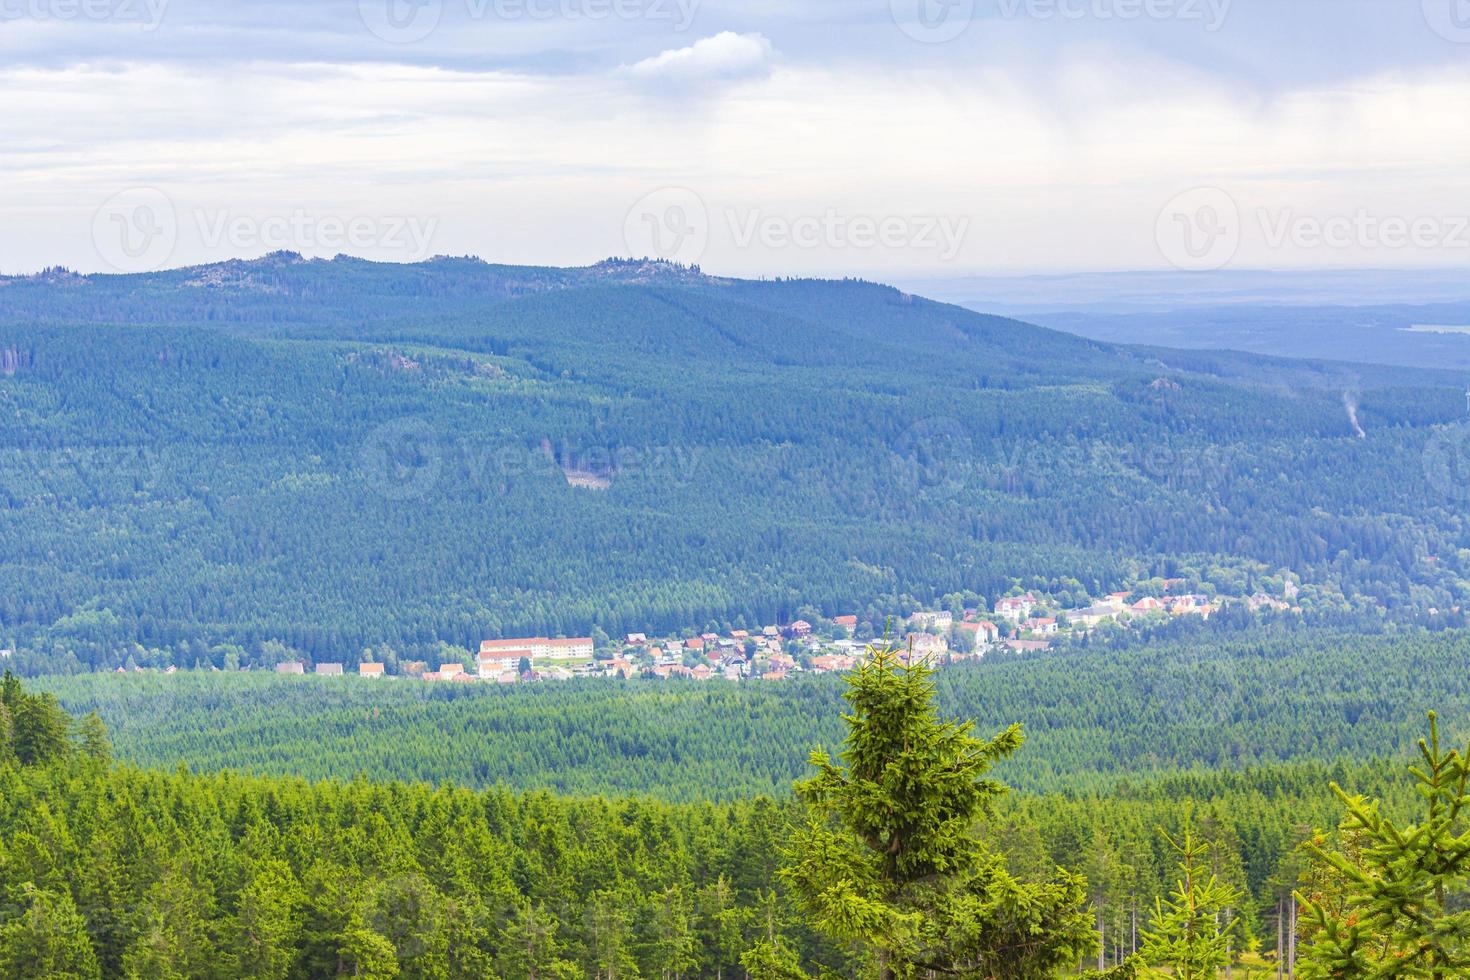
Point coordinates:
[[319, 456]]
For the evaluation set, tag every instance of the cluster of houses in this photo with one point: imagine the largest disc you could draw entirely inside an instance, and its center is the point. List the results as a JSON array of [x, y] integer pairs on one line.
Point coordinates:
[[772, 653], [1019, 623]]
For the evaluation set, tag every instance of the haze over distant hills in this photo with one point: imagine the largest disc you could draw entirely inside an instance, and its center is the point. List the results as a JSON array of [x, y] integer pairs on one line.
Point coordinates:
[[332, 454], [1417, 318]]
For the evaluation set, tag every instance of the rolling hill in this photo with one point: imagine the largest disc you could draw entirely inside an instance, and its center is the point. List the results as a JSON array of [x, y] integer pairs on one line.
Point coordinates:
[[333, 454]]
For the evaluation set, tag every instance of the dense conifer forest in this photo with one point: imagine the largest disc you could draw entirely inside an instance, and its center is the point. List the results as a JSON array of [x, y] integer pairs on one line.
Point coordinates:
[[241, 462], [230, 467], [1094, 717], [110, 870]]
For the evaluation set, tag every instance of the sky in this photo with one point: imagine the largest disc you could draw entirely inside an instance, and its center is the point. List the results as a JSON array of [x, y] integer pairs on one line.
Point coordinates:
[[889, 139]]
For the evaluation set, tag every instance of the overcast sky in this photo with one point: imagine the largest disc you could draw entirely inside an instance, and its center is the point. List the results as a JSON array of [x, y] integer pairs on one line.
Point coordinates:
[[758, 137]]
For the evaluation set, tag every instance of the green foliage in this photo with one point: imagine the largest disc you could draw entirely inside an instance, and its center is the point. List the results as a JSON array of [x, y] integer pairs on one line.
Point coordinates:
[[770, 961], [1097, 717], [888, 858], [1192, 931], [34, 728], [529, 948], [165, 873], [48, 941], [1400, 911], [182, 451], [96, 744]]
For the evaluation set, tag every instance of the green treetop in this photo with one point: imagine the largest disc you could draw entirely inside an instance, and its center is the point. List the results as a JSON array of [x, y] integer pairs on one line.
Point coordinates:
[[1398, 908], [1192, 931], [889, 859]]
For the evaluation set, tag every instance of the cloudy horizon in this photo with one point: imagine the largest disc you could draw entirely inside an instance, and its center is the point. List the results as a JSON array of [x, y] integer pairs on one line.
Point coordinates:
[[809, 138]]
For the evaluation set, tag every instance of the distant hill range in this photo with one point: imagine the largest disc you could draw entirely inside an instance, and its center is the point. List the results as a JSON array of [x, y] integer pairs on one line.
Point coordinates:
[[335, 454], [1406, 318]]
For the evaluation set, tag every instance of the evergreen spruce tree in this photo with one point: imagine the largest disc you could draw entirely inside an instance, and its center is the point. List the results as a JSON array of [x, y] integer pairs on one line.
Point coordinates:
[[889, 857], [40, 729], [721, 926], [1192, 932], [10, 690], [174, 925], [92, 734], [1399, 908], [268, 922], [365, 954], [1107, 880], [48, 940], [7, 735], [608, 932], [671, 943], [529, 947], [772, 961]]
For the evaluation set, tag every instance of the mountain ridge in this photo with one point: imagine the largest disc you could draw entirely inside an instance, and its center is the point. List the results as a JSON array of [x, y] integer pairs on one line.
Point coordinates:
[[392, 455]]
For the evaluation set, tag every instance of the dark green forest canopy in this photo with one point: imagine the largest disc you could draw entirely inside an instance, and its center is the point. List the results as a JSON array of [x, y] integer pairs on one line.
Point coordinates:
[[1095, 719], [113, 870], [339, 454]]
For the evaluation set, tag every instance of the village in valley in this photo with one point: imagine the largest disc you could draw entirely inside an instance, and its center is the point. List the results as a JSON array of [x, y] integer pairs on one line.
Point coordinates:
[[1020, 623]]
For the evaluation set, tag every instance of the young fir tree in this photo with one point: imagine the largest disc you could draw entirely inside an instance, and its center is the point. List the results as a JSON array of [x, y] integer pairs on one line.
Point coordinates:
[[530, 948], [92, 735], [772, 961], [1399, 908], [48, 940], [7, 735], [1192, 932], [889, 858]]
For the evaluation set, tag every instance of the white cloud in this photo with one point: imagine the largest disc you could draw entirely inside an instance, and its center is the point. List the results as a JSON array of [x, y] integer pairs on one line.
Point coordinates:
[[1059, 158], [726, 55]]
